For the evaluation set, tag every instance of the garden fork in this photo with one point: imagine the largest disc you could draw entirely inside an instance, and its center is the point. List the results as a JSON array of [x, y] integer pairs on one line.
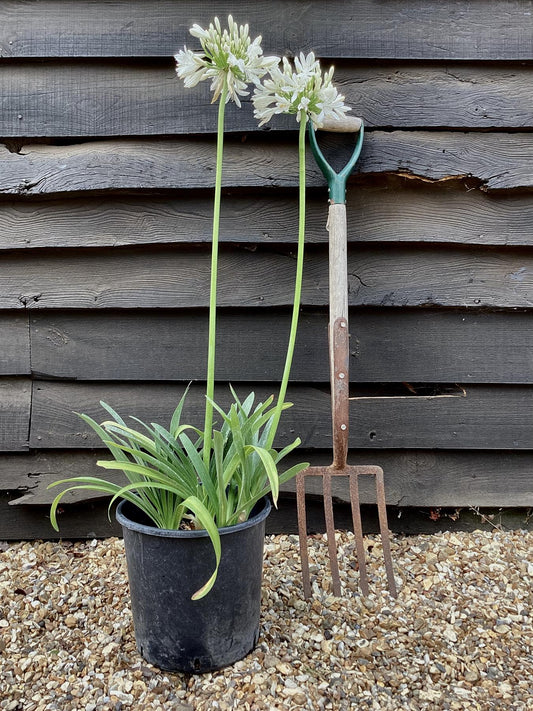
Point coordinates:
[[338, 336]]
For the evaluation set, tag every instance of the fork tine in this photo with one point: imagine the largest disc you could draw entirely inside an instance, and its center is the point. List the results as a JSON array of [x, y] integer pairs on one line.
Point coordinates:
[[358, 531], [330, 533], [302, 533], [384, 531], [353, 473]]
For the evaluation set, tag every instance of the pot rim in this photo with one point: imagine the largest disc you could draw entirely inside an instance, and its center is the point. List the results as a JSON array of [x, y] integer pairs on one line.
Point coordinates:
[[126, 522]]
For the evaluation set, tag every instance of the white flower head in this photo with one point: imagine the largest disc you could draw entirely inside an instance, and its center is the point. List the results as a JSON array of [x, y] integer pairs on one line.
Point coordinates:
[[229, 58], [301, 89]]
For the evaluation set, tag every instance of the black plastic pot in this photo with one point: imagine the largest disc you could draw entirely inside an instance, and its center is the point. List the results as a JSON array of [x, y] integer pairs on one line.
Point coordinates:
[[166, 567]]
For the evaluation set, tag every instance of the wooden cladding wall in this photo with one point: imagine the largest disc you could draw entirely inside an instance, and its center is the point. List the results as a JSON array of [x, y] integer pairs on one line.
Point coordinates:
[[106, 175]]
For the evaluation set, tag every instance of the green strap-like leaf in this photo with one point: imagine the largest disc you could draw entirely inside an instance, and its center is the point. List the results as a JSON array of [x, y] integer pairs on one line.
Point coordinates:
[[150, 474], [286, 450], [176, 470], [114, 414], [92, 484], [200, 468], [176, 417], [230, 467], [286, 476], [206, 519], [104, 436], [292, 472], [218, 409], [131, 434], [270, 470], [246, 406]]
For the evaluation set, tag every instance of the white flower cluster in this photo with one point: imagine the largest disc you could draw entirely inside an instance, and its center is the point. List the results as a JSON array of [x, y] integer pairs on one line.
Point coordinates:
[[229, 57], [299, 90]]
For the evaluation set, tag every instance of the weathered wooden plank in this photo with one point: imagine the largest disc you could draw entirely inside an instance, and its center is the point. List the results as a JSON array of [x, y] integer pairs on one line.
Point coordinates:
[[29, 475], [450, 29], [90, 520], [484, 418], [398, 210], [387, 346], [15, 396], [405, 210], [441, 347], [54, 423], [407, 521], [170, 279], [412, 477], [456, 96], [108, 100], [438, 478], [87, 520], [499, 161], [499, 417], [143, 165], [15, 344], [173, 346]]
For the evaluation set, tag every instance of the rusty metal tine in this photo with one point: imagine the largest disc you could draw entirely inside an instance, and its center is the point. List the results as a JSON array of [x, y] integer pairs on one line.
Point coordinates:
[[302, 533], [358, 531], [384, 531], [330, 533]]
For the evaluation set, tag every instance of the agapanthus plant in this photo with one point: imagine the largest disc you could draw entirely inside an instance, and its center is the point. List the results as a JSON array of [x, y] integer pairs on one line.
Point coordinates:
[[302, 90], [211, 477]]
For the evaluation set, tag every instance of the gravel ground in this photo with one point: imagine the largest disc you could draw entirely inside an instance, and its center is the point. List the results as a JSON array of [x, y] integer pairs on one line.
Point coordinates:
[[459, 636]]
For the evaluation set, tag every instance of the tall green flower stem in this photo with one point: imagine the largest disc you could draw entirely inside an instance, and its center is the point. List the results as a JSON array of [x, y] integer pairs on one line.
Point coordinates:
[[298, 281], [210, 389]]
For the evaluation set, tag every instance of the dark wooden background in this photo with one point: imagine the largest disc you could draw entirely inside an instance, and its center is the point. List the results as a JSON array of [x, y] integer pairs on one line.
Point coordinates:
[[106, 175]]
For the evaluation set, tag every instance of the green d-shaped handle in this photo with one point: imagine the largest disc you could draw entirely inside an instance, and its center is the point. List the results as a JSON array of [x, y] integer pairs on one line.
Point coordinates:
[[336, 181]]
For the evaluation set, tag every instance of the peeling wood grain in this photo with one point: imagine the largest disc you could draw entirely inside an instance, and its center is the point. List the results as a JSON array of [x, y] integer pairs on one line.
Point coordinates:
[[28, 474], [497, 417], [397, 276], [499, 161], [387, 346], [106, 99], [441, 29], [140, 165], [399, 210]]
